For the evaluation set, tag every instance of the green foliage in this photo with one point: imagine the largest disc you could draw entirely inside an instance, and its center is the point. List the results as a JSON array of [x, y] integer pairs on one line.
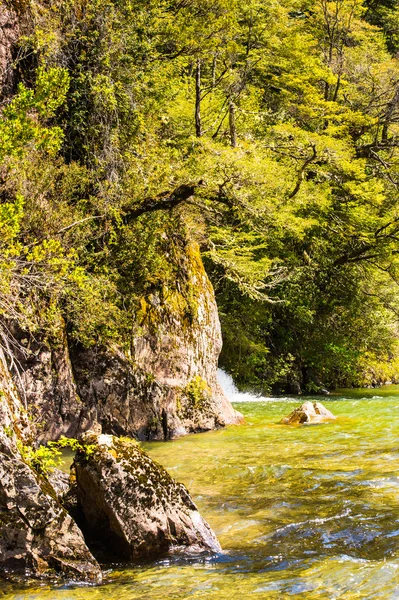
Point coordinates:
[[197, 391], [295, 142], [45, 459], [20, 124]]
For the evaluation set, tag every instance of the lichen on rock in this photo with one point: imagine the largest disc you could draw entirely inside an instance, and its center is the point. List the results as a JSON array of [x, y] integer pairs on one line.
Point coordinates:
[[131, 506], [152, 390]]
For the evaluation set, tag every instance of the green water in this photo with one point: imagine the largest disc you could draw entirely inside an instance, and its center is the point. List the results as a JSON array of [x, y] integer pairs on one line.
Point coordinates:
[[301, 512]]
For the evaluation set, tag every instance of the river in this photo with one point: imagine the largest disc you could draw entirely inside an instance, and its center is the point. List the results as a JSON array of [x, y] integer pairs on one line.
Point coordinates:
[[301, 512]]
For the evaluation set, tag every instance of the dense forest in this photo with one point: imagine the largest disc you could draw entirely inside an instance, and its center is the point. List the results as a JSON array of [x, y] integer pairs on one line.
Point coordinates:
[[266, 132]]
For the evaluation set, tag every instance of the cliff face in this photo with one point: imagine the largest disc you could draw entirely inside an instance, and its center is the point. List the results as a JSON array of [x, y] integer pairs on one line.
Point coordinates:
[[159, 383], [163, 387], [124, 502]]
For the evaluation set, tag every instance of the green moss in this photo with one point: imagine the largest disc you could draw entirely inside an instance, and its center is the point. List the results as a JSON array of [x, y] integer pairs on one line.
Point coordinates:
[[175, 297]]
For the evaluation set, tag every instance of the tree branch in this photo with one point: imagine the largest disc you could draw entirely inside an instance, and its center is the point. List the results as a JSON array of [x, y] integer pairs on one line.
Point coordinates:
[[301, 172], [164, 201]]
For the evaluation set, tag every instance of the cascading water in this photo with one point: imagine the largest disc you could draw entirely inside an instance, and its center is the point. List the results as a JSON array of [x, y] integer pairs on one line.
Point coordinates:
[[230, 389], [234, 395]]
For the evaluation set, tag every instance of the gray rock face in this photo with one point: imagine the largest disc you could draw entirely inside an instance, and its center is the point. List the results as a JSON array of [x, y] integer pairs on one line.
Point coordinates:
[[47, 381], [60, 482], [131, 505], [37, 536], [182, 349], [309, 412], [126, 400]]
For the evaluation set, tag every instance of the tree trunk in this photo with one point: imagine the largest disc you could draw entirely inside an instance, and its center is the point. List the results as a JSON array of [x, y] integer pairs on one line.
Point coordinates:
[[214, 71], [232, 124], [198, 129]]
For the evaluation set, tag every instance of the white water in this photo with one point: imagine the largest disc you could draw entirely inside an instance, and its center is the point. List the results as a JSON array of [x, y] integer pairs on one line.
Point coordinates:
[[227, 384]]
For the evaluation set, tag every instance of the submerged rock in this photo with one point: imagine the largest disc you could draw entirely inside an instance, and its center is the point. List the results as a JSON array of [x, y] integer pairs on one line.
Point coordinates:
[[309, 412], [131, 506]]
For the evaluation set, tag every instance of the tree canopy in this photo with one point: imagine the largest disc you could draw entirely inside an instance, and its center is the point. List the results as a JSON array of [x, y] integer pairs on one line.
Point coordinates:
[[267, 131]]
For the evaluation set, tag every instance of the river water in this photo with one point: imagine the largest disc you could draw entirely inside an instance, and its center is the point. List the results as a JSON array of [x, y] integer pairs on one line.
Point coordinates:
[[301, 512]]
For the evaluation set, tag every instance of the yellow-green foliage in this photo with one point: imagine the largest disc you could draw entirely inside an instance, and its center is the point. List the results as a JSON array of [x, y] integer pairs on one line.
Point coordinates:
[[45, 459], [198, 391], [378, 370], [297, 209]]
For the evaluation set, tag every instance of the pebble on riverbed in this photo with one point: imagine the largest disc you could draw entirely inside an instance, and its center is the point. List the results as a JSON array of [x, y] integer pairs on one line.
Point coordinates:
[[309, 412]]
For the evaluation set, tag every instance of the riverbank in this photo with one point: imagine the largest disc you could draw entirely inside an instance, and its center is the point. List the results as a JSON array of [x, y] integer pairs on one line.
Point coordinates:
[[304, 510]]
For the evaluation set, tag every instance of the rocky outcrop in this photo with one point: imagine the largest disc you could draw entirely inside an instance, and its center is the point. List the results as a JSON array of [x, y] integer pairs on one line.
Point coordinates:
[[46, 380], [179, 341], [165, 386], [37, 536], [130, 505], [309, 412], [9, 33]]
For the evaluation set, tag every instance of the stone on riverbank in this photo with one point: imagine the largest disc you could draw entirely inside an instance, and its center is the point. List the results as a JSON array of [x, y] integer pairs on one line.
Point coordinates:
[[131, 506], [309, 412], [37, 536]]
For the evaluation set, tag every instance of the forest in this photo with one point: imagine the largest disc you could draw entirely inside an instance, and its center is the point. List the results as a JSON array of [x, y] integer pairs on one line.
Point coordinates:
[[199, 221], [265, 131]]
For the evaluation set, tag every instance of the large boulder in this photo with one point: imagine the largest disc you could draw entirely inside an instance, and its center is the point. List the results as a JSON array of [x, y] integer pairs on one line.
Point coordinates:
[[309, 412], [37, 536], [130, 506]]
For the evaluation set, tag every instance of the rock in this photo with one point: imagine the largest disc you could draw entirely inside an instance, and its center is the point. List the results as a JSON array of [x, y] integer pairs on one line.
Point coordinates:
[[324, 392], [132, 507], [166, 386], [309, 412], [37, 536], [294, 387], [9, 34], [59, 481], [48, 383]]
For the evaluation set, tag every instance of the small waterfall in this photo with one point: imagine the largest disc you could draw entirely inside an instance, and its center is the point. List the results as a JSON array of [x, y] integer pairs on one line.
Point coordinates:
[[227, 384], [233, 394]]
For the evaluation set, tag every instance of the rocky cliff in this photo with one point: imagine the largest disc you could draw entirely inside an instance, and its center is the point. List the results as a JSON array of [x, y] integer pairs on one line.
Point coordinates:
[[124, 502], [159, 380], [9, 33], [164, 385]]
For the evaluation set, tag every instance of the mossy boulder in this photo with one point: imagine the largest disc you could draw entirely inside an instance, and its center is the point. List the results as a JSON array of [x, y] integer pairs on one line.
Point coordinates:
[[159, 384], [131, 507]]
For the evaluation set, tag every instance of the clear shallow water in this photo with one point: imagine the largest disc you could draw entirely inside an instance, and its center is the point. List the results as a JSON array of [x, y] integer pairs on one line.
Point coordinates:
[[301, 512]]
